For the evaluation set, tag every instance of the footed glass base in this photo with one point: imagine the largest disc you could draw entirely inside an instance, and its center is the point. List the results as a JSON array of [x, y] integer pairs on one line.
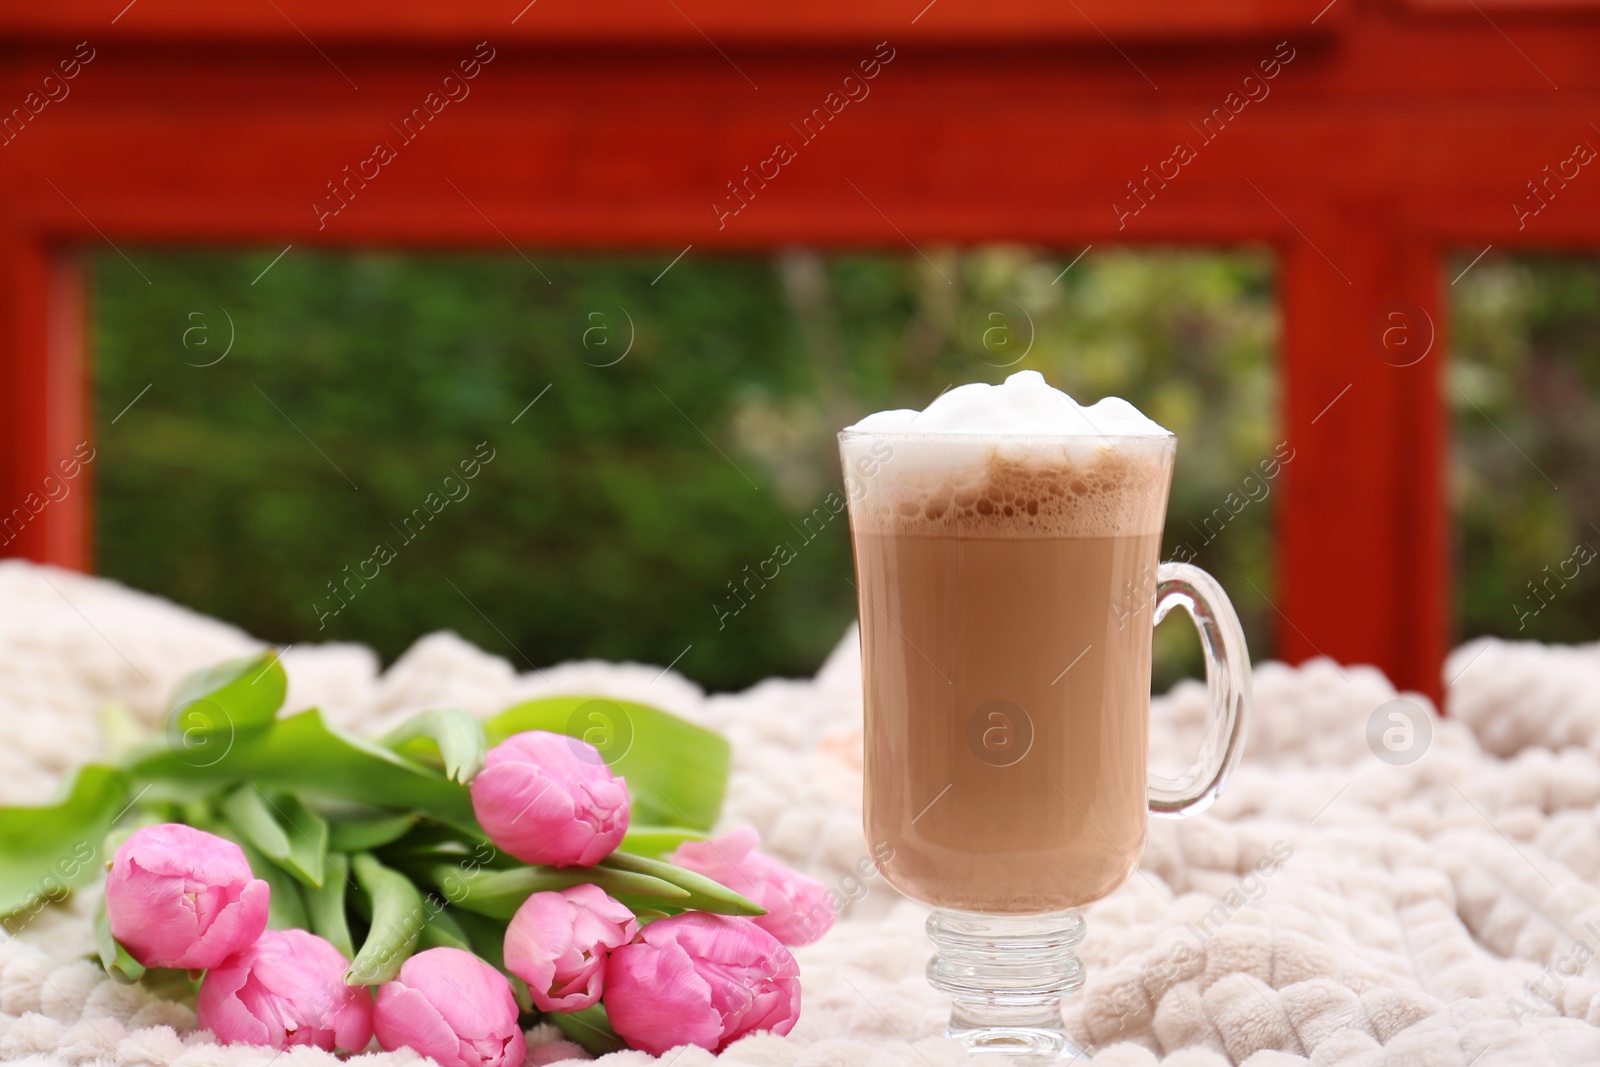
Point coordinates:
[[1006, 976]]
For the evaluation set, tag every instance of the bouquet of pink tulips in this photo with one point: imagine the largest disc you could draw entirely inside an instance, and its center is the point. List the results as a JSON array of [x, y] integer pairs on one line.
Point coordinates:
[[439, 889]]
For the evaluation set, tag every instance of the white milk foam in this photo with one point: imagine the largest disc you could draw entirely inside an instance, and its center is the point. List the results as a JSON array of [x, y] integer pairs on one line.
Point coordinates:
[[1025, 404], [1015, 460]]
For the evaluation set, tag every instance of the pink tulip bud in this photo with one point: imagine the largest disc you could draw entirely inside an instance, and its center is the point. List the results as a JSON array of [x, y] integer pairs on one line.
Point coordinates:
[[453, 1008], [180, 897], [798, 908], [547, 798], [286, 989], [700, 979], [558, 943]]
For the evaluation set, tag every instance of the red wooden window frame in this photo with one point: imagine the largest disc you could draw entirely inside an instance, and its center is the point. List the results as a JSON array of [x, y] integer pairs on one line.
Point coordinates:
[[1397, 132]]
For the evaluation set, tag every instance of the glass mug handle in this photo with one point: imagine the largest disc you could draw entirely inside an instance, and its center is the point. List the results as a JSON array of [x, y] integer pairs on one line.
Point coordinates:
[[1227, 686]]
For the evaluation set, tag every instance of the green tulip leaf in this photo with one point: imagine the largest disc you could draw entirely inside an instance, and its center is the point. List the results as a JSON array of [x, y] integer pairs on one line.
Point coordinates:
[[212, 709], [704, 894], [307, 755], [398, 916], [286, 909], [121, 732], [485, 936], [443, 931], [364, 835], [657, 841], [589, 1029], [434, 842], [308, 838], [113, 957], [247, 810], [677, 772], [498, 894], [449, 738], [47, 851], [282, 829], [325, 906]]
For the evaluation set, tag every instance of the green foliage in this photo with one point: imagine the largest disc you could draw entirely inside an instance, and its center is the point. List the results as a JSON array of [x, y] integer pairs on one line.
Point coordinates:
[[398, 918], [248, 691], [304, 753], [498, 894], [444, 930], [1524, 390], [325, 907], [282, 829], [704, 894], [318, 812], [47, 851], [113, 957], [447, 738], [286, 906], [350, 834], [657, 841], [637, 881], [212, 708], [619, 511]]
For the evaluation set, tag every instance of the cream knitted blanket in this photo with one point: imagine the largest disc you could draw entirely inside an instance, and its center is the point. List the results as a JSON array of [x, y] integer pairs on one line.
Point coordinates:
[[1333, 908]]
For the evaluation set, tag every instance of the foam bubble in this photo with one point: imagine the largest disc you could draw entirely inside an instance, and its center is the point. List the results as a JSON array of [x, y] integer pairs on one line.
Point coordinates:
[[1025, 405], [1014, 460]]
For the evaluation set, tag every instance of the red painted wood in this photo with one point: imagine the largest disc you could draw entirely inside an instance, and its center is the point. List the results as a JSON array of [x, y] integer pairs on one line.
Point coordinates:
[[656, 22], [1394, 134], [41, 330], [1364, 551], [1507, 8], [69, 533]]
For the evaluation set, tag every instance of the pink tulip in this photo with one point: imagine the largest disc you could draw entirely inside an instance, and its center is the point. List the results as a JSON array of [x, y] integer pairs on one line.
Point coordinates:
[[558, 943], [700, 979], [286, 989], [547, 798], [180, 897], [453, 1008], [798, 909]]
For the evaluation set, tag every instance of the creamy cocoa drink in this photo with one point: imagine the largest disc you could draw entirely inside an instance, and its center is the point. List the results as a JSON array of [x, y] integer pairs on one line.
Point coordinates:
[[1006, 544]]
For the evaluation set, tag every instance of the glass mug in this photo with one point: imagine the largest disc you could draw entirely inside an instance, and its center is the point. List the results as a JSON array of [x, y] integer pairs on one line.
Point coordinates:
[[1008, 590]]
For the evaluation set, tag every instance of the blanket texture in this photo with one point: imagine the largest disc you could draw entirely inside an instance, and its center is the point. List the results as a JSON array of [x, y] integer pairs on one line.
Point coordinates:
[[1334, 908]]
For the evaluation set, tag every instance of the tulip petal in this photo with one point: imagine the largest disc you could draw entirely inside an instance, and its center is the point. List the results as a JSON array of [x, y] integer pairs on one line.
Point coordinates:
[[219, 1009], [656, 1000], [537, 934], [175, 850], [238, 923], [558, 941], [286, 989], [352, 1025], [170, 885], [514, 1052], [474, 998], [538, 800], [450, 1005], [799, 910], [405, 1019], [702, 978]]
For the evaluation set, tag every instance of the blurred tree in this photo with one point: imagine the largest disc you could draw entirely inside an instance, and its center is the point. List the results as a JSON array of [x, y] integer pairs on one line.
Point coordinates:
[[1525, 394], [678, 432]]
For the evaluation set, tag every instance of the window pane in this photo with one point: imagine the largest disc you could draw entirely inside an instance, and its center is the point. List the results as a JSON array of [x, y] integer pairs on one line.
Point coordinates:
[[1524, 389], [310, 482]]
